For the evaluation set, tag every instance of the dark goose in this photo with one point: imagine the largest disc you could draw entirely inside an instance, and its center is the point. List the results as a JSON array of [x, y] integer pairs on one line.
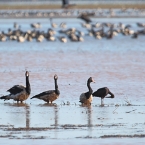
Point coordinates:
[[51, 95], [86, 98], [19, 92], [102, 92]]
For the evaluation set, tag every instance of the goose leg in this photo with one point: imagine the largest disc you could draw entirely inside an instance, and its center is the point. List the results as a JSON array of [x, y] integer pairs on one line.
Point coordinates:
[[102, 101]]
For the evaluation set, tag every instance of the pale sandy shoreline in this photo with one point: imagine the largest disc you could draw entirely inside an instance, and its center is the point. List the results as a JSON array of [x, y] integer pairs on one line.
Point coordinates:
[[82, 6]]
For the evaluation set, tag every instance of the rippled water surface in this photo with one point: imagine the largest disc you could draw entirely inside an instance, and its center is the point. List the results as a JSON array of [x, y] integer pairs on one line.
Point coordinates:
[[118, 63]]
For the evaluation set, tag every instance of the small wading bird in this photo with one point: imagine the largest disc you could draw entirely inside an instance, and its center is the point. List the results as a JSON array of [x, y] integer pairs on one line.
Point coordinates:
[[102, 92], [86, 98], [51, 95], [19, 92]]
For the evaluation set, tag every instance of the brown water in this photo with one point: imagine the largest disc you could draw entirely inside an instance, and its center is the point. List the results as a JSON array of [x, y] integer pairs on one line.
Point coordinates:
[[118, 64]]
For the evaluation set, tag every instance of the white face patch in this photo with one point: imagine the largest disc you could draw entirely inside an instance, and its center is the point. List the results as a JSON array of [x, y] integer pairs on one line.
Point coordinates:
[[27, 74], [55, 77]]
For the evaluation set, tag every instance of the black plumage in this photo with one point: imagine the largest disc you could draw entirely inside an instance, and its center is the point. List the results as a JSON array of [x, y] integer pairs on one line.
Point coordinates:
[[102, 93], [15, 89]]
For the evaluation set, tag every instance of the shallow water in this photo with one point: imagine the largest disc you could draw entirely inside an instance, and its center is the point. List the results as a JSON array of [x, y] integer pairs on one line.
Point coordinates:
[[117, 64]]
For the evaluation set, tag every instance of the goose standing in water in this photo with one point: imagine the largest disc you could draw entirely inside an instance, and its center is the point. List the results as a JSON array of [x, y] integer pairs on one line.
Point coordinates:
[[51, 95], [102, 92], [19, 92], [86, 98]]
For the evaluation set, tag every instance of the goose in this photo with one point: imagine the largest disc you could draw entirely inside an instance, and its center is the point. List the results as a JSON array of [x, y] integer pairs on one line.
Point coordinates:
[[21, 39], [36, 25], [85, 17], [63, 25], [65, 4], [86, 98], [40, 38], [63, 39], [54, 25], [140, 24], [135, 35], [16, 26], [19, 92], [3, 38], [102, 92], [51, 95]]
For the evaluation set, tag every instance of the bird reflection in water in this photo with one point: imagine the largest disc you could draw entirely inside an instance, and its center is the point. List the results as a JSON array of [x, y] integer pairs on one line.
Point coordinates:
[[56, 120], [27, 108], [56, 117], [27, 111], [89, 113]]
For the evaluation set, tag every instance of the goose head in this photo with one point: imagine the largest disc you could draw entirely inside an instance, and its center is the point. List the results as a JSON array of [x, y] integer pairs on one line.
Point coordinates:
[[27, 74], [55, 77], [91, 80]]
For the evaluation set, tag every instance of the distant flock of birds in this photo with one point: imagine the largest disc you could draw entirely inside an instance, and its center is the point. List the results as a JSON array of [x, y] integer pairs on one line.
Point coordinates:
[[98, 12], [96, 30], [20, 93]]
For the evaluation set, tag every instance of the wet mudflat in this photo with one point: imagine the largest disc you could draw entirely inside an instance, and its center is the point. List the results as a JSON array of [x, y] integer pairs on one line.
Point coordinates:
[[117, 64]]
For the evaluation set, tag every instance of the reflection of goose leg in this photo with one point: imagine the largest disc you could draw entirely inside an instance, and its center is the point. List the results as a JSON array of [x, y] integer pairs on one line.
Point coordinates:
[[56, 120], [89, 121], [27, 117], [56, 116]]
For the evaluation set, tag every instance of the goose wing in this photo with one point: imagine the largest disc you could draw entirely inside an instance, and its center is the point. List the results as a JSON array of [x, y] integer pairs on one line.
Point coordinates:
[[102, 92], [46, 93], [16, 89]]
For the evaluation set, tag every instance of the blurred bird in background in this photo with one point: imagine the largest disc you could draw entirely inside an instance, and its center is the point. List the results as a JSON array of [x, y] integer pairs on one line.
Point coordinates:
[[65, 4]]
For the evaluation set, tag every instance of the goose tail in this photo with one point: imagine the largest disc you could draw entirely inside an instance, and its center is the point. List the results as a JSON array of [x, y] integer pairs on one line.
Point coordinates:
[[5, 98], [34, 97]]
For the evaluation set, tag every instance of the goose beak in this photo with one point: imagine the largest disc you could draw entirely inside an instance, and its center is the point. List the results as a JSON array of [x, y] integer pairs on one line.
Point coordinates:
[[93, 81]]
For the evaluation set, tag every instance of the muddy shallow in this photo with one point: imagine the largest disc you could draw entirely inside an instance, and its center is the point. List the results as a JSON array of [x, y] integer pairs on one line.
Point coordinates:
[[117, 64]]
